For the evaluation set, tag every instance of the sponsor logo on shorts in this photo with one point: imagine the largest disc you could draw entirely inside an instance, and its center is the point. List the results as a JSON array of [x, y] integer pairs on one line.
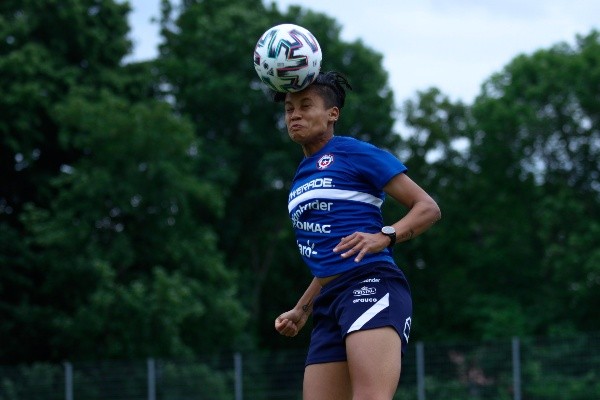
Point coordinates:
[[365, 300], [371, 280], [406, 332], [365, 291]]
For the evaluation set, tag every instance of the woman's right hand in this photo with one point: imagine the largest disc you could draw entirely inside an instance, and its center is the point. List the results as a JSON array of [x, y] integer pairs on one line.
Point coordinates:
[[290, 322]]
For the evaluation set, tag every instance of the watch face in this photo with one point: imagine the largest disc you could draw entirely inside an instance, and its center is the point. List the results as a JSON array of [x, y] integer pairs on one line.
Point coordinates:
[[388, 230]]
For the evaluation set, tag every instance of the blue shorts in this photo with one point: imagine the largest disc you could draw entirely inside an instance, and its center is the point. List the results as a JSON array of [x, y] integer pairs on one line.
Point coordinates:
[[367, 297]]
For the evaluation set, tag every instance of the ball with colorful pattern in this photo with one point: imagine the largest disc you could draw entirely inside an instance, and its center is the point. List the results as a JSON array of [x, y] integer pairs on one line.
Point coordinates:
[[287, 58]]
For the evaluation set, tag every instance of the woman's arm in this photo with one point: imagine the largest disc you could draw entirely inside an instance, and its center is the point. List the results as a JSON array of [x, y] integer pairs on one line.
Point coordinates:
[[423, 212], [290, 322]]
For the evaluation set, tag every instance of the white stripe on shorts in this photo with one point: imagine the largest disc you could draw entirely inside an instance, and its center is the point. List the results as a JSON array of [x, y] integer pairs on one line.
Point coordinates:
[[382, 304]]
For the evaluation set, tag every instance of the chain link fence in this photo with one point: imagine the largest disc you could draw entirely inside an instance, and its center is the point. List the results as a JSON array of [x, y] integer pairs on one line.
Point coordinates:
[[515, 369]]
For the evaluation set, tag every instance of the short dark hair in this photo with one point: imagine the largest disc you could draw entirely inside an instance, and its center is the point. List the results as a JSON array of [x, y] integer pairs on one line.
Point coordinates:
[[331, 86]]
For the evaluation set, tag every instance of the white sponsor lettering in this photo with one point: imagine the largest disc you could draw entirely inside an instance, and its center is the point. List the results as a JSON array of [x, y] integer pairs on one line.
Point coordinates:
[[314, 184], [363, 300], [364, 291], [308, 250], [371, 280], [312, 227], [313, 205]]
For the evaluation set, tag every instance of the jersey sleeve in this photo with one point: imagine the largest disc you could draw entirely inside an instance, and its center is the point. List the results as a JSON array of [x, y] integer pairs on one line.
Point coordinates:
[[377, 165]]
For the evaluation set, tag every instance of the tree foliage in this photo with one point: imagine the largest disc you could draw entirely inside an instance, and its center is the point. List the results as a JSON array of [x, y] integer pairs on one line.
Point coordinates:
[[520, 200], [107, 246], [142, 205], [549, 100]]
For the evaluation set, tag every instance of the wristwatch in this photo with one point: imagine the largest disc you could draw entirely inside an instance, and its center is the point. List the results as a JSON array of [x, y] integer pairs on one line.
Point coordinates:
[[391, 233]]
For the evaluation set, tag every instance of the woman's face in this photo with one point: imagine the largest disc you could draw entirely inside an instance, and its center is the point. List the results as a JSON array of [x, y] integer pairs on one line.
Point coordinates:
[[308, 120]]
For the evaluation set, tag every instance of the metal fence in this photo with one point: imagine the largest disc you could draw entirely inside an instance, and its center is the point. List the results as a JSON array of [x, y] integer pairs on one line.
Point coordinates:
[[515, 369]]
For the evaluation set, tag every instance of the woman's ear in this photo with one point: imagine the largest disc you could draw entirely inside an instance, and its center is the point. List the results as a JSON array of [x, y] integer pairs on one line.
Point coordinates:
[[334, 114]]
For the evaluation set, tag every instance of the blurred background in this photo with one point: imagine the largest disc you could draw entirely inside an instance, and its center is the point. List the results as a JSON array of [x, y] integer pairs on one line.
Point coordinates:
[[143, 197]]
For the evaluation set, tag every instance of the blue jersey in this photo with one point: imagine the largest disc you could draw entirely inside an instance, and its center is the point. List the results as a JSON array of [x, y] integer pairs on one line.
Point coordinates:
[[336, 192]]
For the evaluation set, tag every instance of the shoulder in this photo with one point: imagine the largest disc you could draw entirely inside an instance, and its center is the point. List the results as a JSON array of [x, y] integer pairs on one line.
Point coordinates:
[[357, 147], [348, 143]]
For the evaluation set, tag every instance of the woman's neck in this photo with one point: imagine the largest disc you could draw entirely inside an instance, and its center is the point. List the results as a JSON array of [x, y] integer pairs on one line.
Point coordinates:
[[314, 147]]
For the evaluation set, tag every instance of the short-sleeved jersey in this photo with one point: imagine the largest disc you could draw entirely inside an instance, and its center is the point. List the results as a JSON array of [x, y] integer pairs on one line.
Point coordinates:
[[336, 192]]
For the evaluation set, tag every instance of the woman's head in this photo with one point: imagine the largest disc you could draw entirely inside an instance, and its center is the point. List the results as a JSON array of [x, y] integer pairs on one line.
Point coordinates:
[[311, 114], [331, 86]]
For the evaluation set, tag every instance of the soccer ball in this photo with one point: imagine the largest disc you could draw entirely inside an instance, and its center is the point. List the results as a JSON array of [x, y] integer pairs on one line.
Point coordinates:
[[287, 58]]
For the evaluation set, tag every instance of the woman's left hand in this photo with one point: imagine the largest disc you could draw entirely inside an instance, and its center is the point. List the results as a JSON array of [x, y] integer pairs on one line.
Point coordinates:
[[361, 243]]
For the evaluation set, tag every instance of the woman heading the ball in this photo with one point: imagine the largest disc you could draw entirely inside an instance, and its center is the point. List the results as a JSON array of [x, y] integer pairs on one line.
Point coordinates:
[[359, 299]]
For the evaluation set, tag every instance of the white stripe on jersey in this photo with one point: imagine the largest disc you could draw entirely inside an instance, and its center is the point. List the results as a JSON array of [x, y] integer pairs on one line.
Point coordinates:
[[335, 194], [382, 304]]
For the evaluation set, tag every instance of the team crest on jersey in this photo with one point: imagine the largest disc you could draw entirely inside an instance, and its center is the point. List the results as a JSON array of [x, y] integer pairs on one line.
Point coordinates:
[[325, 161]]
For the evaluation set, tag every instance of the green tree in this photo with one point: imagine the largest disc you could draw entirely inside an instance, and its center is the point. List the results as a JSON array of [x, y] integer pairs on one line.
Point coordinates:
[[50, 47], [540, 124], [107, 248], [516, 175], [437, 263]]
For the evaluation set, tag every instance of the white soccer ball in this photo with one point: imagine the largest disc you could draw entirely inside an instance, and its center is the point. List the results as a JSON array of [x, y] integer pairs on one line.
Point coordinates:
[[287, 58]]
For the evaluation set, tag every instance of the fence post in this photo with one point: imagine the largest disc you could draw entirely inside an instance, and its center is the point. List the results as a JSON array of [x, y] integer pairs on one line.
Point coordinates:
[[516, 362], [151, 379], [68, 380], [237, 361], [420, 371]]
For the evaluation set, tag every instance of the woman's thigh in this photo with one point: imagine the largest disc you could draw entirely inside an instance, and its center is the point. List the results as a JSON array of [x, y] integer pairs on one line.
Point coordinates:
[[374, 362], [327, 381]]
